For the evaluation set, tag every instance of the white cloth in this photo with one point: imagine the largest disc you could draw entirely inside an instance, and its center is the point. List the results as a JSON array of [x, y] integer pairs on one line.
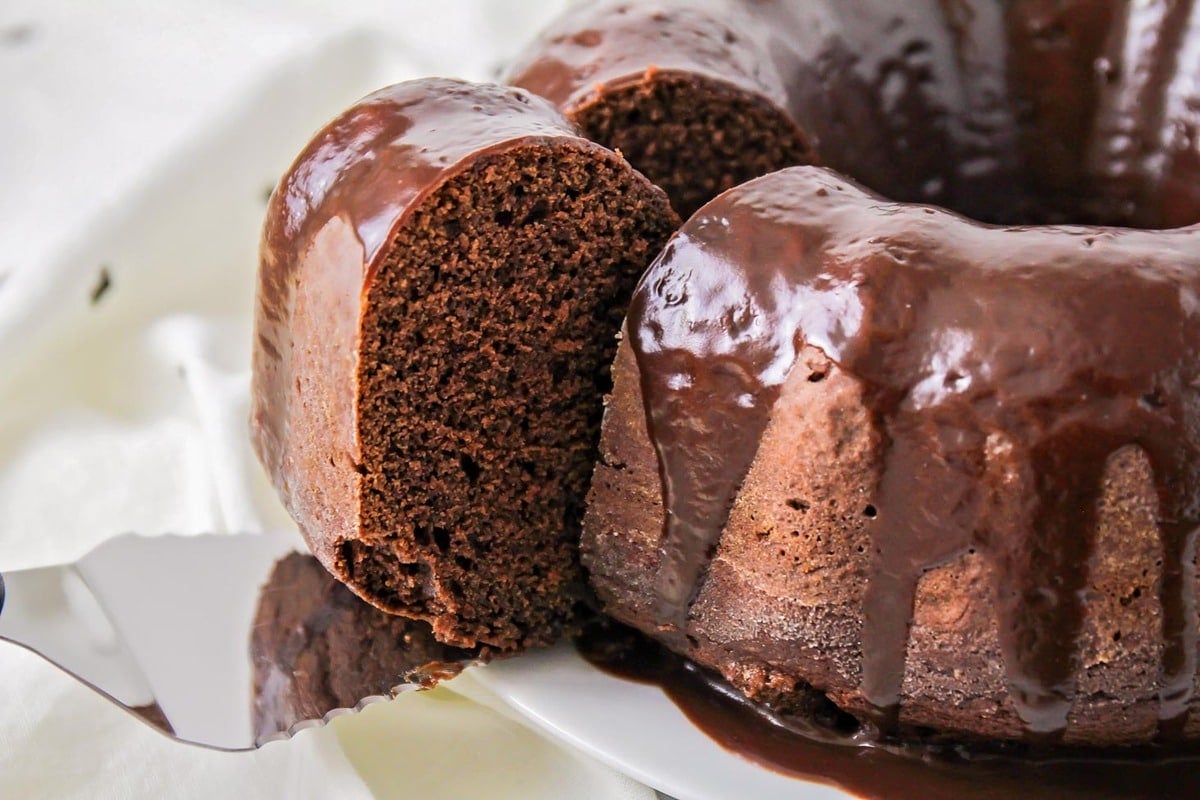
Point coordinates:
[[137, 143]]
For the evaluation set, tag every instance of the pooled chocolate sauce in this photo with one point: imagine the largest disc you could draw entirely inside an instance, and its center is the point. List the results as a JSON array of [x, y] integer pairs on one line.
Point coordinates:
[[824, 748], [1001, 368]]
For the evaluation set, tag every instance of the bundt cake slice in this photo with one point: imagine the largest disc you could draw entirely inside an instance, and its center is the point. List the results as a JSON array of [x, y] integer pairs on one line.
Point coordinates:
[[316, 648], [947, 474], [444, 270]]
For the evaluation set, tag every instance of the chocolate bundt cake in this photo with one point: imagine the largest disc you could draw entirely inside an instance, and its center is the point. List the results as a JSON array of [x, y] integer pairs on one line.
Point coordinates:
[[443, 272], [315, 647], [1007, 111], [940, 473], [946, 474]]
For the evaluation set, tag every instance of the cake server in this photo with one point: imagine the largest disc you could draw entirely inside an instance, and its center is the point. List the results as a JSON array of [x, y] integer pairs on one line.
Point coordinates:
[[161, 626]]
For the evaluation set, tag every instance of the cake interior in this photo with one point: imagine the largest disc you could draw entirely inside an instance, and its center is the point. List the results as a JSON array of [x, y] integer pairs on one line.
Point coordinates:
[[316, 647], [486, 347], [694, 137]]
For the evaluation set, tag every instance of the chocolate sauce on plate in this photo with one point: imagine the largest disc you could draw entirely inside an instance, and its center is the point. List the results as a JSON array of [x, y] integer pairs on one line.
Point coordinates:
[[830, 749]]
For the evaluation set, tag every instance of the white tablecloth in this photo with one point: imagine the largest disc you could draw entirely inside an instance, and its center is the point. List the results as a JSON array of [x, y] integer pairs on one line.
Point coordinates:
[[137, 141]]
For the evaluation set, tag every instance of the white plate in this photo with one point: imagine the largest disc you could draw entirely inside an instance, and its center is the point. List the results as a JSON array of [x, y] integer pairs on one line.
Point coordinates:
[[636, 729]]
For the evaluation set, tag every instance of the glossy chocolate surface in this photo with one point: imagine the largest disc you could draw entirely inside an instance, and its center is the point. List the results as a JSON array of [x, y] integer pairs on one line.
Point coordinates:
[[824, 748], [1030, 110], [326, 227], [991, 358]]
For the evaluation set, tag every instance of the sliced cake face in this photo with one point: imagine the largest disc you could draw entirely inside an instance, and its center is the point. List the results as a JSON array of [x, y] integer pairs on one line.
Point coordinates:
[[444, 271], [899, 446]]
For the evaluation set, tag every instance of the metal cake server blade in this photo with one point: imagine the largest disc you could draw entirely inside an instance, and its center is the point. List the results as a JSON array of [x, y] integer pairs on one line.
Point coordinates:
[[163, 627]]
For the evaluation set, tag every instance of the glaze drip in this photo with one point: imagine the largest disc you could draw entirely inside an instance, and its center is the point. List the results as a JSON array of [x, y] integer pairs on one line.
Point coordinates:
[[1000, 367], [731, 365]]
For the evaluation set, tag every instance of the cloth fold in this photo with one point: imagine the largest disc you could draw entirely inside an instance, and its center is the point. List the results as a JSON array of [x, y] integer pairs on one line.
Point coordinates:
[[139, 143]]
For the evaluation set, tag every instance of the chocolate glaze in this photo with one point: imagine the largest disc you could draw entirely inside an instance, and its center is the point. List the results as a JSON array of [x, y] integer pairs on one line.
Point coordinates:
[[824, 747], [1029, 110], [324, 236], [988, 355]]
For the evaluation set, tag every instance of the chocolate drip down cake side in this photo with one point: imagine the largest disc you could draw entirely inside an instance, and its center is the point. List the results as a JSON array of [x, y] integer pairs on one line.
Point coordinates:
[[904, 418]]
